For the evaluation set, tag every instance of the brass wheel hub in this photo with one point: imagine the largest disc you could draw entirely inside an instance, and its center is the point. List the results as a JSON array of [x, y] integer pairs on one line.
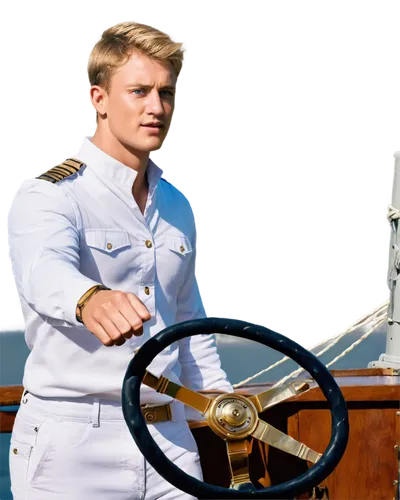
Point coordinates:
[[232, 416], [233, 413]]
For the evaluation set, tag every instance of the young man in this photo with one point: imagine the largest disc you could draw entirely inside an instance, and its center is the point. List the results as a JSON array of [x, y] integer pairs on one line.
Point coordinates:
[[103, 253]]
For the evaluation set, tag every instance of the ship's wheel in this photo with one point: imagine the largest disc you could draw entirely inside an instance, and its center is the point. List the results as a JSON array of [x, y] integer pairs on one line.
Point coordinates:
[[234, 417]]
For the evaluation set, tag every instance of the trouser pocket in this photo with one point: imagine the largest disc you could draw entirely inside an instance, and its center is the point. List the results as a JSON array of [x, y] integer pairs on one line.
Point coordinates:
[[19, 462], [30, 440]]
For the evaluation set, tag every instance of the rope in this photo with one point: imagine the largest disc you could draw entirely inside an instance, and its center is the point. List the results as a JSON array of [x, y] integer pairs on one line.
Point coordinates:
[[341, 355], [394, 213], [376, 316]]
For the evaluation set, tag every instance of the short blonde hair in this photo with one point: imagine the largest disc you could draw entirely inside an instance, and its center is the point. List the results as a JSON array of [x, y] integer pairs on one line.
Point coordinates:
[[117, 44]]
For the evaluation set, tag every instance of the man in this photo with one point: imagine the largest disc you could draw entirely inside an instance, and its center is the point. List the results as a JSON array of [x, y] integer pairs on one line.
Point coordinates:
[[103, 253]]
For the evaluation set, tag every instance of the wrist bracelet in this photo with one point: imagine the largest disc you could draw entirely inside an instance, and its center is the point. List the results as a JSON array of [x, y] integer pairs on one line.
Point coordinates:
[[92, 291]]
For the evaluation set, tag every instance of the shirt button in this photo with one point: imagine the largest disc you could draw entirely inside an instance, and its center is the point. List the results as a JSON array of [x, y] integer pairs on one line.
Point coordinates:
[[147, 290], [149, 244], [182, 248], [109, 246]]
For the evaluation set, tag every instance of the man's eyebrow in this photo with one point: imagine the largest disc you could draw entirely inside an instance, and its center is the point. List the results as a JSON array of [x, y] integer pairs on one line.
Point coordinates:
[[142, 85]]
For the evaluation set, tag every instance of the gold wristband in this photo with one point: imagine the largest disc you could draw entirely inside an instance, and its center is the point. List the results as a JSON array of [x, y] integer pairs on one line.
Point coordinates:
[[85, 297]]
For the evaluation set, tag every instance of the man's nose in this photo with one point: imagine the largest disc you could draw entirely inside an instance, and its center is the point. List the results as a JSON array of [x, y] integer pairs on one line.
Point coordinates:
[[154, 104]]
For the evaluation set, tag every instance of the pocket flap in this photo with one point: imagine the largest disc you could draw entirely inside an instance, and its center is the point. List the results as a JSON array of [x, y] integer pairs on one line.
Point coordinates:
[[107, 240], [179, 244]]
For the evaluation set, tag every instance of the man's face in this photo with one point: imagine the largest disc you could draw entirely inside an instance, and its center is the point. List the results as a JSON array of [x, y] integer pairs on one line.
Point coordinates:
[[141, 96]]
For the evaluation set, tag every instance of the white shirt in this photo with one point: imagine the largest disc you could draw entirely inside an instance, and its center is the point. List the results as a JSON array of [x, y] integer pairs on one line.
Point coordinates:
[[88, 229]]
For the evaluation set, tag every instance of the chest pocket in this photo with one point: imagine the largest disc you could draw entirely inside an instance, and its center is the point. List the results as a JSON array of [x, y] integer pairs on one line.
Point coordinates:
[[173, 256], [107, 256], [180, 245], [107, 240]]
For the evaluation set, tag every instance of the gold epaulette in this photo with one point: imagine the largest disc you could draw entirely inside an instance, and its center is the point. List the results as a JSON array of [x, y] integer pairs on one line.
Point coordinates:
[[62, 171]]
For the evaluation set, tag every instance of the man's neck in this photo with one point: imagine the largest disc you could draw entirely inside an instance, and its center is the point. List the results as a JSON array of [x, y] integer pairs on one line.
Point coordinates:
[[136, 160], [140, 185]]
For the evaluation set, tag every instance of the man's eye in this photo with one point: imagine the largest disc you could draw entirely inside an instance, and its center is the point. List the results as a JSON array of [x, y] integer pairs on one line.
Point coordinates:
[[162, 92]]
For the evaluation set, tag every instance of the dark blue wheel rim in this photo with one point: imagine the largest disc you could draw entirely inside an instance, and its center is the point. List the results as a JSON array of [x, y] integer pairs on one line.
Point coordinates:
[[149, 448]]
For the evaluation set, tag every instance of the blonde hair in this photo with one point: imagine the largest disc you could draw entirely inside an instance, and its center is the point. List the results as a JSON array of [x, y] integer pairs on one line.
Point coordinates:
[[117, 44]]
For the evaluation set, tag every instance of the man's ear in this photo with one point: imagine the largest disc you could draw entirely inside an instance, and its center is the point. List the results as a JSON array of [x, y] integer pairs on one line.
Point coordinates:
[[98, 96]]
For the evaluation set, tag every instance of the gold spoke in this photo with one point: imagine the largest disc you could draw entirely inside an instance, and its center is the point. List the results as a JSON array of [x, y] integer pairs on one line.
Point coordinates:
[[276, 395], [274, 437], [165, 386], [238, 455]]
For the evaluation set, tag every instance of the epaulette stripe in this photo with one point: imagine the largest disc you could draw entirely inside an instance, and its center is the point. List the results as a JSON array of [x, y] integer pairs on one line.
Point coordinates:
[[80, 163], [68, 165], [63, 171], [47, 177], [55, 174], [71, 171], [66, 169]]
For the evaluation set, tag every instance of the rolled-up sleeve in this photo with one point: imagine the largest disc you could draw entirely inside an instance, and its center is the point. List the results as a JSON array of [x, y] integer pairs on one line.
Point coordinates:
[[44, 246], [198, 356]]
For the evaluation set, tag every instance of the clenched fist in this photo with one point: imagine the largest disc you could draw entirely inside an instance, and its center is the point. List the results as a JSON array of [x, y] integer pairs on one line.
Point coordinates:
[[114, 316]]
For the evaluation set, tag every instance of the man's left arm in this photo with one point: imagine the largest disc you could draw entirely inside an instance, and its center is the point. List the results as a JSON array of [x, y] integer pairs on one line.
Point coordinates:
[[198, 356]]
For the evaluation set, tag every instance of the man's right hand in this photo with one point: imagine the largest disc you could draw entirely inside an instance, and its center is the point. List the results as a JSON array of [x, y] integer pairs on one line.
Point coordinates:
[[114, 316]]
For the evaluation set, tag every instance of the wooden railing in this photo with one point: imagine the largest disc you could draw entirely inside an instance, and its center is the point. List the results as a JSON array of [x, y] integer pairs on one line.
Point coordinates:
[[11, 395]]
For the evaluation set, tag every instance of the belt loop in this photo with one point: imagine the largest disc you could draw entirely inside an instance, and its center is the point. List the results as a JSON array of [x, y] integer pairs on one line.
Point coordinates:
[[24, 398], [96, 413], [171, 410]]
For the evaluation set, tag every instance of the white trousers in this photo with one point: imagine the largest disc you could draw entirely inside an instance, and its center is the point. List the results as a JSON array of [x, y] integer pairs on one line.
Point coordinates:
[[84, 451]]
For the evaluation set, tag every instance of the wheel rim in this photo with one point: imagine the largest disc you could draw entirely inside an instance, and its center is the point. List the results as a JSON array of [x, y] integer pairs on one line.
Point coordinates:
[[138, 428]]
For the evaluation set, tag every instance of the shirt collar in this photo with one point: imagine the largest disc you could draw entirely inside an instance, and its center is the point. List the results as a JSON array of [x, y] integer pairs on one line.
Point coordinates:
[[104, 165]]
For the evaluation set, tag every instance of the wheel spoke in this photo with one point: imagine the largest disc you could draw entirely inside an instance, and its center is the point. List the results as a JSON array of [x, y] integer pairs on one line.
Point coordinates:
[[238, 455], [278, 394], [278, 439], [164, 386]]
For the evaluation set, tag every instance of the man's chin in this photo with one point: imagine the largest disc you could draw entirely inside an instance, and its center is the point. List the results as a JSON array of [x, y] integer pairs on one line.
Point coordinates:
[[145, 147]]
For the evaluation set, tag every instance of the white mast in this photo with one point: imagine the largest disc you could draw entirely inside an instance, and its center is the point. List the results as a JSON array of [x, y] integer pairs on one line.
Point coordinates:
[[391, 358]]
